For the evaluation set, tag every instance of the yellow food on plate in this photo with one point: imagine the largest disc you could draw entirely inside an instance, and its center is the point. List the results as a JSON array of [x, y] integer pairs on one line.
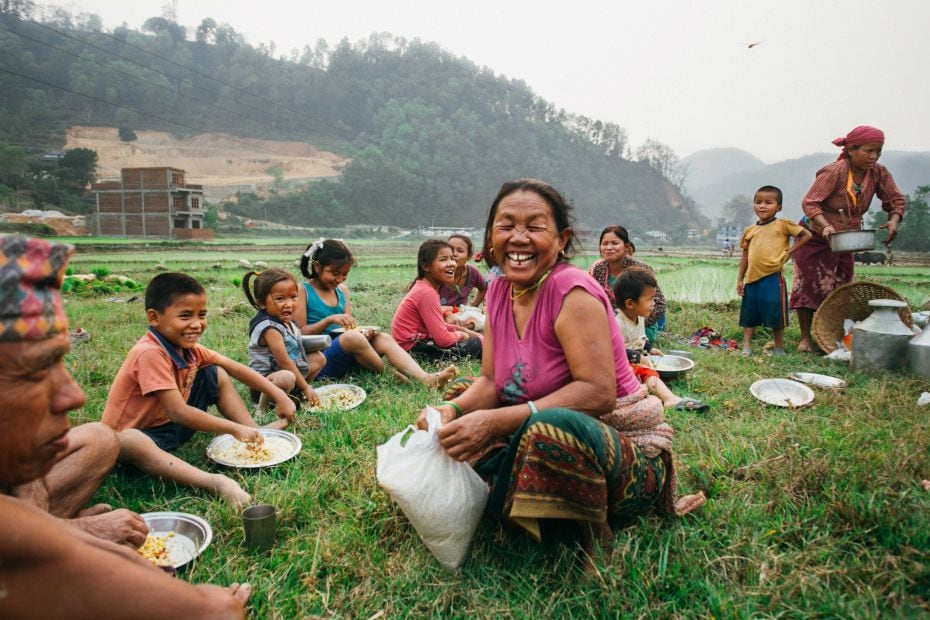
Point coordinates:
[[338, 398], [155, 549], [239, 453]]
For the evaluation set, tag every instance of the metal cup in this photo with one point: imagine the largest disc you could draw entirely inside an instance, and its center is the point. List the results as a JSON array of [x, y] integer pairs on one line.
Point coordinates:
[[259, 524], [315, 342]]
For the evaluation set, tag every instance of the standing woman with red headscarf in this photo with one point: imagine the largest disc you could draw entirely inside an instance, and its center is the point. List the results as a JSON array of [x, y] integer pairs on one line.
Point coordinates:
[[839, 197]]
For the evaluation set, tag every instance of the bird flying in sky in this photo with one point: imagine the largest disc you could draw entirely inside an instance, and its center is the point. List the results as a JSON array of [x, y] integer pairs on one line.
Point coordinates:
[[750, 45]]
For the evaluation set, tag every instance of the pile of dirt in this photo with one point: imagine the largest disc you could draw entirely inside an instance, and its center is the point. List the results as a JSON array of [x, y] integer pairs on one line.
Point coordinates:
[[65, 225], [222, 163]]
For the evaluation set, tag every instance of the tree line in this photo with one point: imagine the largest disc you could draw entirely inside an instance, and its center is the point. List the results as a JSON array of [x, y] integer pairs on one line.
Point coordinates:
[[430, 136]]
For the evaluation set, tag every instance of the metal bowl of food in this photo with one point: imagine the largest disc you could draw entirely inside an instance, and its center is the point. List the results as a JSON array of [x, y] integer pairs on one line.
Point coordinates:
[[175, 538], [852, 240], [671, 367]]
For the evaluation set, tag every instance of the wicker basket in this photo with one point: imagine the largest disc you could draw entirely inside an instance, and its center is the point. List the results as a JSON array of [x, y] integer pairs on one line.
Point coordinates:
[[850, 301]]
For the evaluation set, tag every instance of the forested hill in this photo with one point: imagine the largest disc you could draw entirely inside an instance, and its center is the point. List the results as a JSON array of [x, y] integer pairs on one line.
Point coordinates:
[[430, 135]]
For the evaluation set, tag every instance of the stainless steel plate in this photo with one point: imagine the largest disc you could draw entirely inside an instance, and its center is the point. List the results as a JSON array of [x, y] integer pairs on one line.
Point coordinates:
[[191, 534], [782, 392], [224, 443], [327, 392]]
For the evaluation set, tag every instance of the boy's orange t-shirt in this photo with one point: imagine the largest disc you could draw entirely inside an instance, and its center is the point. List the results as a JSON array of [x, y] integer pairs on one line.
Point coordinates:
[[152, 365]]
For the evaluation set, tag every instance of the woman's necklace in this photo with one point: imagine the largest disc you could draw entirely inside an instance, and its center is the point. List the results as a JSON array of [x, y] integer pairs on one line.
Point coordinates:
[[515, 294]]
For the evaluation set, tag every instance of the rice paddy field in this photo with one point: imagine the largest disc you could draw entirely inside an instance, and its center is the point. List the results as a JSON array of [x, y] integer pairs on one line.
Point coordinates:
[[816, 512]]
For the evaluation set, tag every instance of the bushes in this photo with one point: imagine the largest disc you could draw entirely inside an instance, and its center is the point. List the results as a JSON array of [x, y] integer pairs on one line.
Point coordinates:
[[31, 229], [99, 287]]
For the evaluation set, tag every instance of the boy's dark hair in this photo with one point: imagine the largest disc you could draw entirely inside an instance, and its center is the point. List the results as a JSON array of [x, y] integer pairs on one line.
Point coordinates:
[[165, 288], [631, 284], [330, 252], [427, 253], [772, 190], [264, 282]]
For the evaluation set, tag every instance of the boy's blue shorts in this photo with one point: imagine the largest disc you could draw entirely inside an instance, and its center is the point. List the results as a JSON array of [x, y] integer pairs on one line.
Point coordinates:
[[338, 362], [765, 303], [204, 392]]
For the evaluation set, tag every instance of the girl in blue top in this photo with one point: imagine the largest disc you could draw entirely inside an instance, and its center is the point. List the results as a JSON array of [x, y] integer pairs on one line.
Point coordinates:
[[275, 349], [323, 306]]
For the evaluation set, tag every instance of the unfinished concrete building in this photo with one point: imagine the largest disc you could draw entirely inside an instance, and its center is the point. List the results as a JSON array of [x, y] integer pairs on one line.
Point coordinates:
[[149, 202]]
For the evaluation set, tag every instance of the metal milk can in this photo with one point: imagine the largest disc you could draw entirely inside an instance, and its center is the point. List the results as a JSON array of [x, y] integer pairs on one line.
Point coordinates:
[[918, 354], [880, 341]]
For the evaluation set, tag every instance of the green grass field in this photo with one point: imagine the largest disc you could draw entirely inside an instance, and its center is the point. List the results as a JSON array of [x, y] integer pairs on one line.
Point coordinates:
[[817, 512]]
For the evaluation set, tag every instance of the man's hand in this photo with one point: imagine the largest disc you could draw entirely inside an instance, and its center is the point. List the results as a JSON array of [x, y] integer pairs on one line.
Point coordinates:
[[121, 526]]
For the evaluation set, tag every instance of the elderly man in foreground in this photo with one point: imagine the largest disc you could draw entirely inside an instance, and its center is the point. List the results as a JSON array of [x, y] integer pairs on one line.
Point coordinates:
[[49, 569]]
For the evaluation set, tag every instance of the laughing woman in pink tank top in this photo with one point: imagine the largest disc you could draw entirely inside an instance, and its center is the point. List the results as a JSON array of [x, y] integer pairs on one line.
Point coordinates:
[[545, 421]]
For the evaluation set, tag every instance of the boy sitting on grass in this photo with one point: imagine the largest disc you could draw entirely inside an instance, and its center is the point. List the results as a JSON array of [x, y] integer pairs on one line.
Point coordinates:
[[635, 292], [760, 283], [160, 395]]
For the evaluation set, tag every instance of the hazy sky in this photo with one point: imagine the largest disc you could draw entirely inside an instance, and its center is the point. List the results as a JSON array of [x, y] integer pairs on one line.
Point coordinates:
[[672, 70]]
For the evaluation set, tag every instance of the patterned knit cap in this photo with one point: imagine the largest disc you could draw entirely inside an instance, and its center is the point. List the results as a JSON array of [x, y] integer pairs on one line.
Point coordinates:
[[31, 273]]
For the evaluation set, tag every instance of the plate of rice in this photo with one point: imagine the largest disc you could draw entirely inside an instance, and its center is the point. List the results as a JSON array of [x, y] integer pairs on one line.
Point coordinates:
[[174, 538], [277, 447], [339, 397]]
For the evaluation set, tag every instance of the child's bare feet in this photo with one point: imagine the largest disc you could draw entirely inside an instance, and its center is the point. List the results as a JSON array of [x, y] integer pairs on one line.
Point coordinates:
[[279, 424], [240, 591], [441, 378], [229, 489], [805, 346]]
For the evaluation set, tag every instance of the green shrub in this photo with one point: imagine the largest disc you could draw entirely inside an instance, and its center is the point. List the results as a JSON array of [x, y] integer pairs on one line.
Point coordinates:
[[32, 229], [101, 271]]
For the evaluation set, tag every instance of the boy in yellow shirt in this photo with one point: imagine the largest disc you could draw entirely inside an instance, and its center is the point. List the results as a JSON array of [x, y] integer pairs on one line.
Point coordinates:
[[766, 248]]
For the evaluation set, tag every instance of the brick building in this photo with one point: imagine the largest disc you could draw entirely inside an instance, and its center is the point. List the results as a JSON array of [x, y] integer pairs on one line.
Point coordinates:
[[149, 202]]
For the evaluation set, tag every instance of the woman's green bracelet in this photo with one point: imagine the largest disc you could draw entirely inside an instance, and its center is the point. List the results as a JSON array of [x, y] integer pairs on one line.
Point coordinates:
[[458, 410]]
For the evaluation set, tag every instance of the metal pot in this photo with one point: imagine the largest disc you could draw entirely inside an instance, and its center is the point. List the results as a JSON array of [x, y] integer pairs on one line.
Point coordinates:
[[918, 354], [852, 240], [879, 342]]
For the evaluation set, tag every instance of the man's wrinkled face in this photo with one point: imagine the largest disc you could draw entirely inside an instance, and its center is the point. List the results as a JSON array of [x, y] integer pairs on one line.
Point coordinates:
[[36, 394]]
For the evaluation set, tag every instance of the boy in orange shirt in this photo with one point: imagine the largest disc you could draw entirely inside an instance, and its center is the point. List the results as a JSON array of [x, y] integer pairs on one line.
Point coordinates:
[[766, 248], [161, 393]]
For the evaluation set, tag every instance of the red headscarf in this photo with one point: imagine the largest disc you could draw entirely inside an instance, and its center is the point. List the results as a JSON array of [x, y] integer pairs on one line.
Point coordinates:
[[863, 134]]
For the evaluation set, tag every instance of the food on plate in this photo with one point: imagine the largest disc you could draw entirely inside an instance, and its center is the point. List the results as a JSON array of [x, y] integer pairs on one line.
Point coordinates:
[[155, 549], [239, 453], [338, 398]]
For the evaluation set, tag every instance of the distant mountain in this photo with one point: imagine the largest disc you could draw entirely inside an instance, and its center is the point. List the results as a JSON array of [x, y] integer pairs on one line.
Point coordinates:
[[710, 165], [716, 177]]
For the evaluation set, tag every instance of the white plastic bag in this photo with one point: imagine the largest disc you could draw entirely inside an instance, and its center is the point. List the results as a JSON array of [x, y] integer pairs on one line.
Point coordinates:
[[443, 498]]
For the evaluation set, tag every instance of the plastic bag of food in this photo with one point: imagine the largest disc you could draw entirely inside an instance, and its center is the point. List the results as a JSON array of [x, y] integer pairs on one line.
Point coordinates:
[[471, 317], [443, 498]]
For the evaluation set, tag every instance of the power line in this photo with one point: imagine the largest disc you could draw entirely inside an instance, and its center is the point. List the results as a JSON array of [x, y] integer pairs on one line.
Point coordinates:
[[136, 110], [168, 60], [112, 53], [127, 74]]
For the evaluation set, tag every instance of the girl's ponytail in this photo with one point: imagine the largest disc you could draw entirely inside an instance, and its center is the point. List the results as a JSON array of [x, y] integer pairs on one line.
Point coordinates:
[[249, 295]]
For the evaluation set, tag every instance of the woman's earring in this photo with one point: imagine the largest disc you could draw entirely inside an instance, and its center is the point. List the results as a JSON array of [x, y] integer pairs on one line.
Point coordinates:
[[561, 253], [491, 251]]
